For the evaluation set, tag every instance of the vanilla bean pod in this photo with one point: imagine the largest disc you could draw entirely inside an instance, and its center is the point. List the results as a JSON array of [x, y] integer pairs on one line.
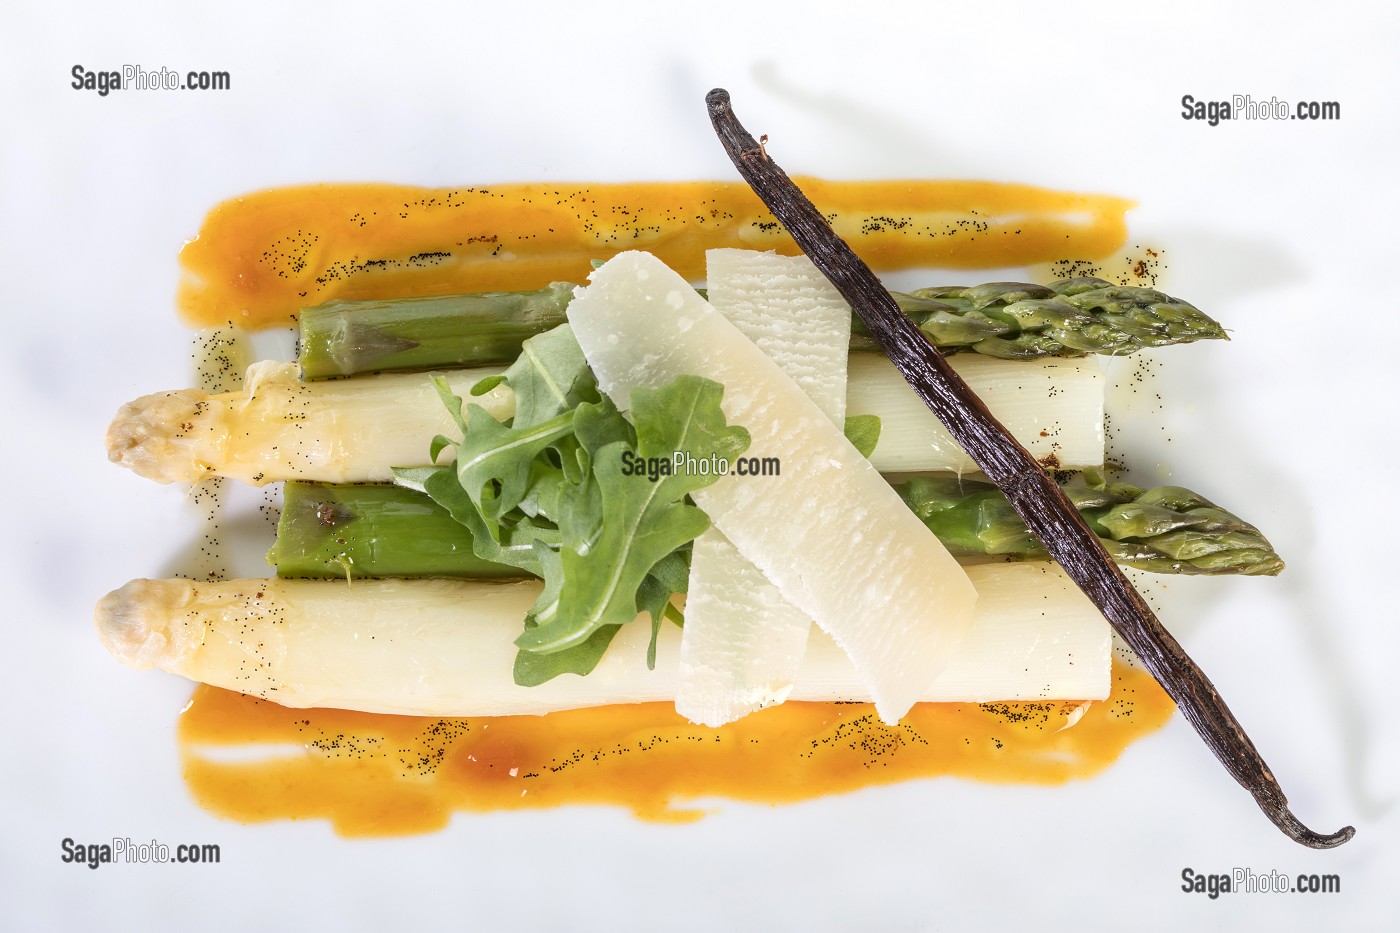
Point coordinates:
[[1031, 491]]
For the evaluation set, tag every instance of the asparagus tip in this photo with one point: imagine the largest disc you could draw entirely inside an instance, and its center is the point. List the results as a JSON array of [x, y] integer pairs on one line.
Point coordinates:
[[149, 436], [133, 624]]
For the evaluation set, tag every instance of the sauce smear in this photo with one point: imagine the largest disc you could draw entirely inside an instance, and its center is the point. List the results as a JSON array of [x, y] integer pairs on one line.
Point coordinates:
[[376, 775], [261, 257]]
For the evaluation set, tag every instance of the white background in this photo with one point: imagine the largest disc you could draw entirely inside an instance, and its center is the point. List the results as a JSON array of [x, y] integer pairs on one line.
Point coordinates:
[[1284, 231]]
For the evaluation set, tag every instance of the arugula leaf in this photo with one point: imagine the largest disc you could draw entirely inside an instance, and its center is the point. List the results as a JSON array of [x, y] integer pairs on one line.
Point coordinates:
[[514, 544], [549, 378], [500, 466], [673, 570], [533, 668], [863, 431], [600, 424], [617, 527], [670, 575], [546, 492], [495, 462]]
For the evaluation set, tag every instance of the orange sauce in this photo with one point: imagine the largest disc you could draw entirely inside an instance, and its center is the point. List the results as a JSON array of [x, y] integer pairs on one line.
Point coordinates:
[[261, 257], [375, 775]]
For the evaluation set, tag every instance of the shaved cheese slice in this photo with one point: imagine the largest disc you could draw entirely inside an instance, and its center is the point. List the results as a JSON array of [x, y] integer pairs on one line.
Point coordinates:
[[794, 315], [828, 531], [743, 642]]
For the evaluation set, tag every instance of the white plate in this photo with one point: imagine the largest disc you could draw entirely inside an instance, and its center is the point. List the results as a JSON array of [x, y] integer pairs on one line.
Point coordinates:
[[1281, 229]]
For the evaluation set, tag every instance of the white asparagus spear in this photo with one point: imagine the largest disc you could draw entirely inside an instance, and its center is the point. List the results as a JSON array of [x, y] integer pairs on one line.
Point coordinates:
[[356, 430], [446, 647], [743, 642], [1053, 407], [827, 530], [279, 428]]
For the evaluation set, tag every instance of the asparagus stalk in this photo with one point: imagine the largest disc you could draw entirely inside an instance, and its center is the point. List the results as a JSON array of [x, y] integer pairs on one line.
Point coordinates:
[[357, 430], [1006, 320], [1071, 317], [1165, 529], [377, 530], [278, 428], [373, 531], [1054, 407], [445, 647], [343, 338]]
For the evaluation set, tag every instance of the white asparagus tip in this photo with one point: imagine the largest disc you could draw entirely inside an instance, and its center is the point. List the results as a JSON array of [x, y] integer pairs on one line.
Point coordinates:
[[134, 621], [150, 436]]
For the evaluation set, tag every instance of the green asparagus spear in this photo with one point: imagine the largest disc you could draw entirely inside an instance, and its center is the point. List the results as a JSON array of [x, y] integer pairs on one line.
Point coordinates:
[[372, 531], [376, 531], [1166, 529], [341, 338], [1072, 317]]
